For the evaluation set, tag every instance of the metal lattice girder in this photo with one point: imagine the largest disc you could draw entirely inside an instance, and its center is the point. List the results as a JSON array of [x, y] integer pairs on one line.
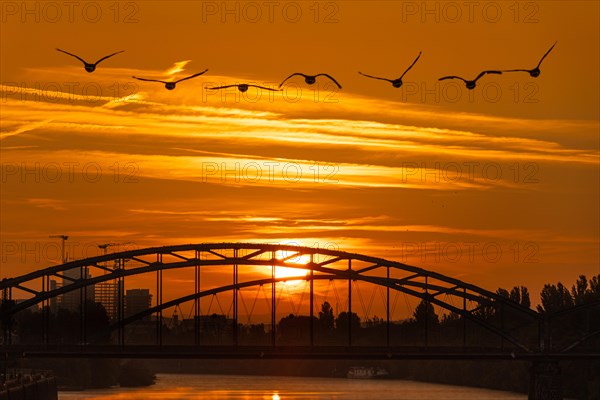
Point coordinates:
[[585, 336], [216, 254]]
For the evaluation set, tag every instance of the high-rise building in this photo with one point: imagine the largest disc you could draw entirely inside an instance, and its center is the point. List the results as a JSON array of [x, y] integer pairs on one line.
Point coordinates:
[[72, 300], [107, 294], [54, 300], [137, 300]]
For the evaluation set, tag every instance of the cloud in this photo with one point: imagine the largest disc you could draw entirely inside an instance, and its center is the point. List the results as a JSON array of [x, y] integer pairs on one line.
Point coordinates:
[[177, 67], [197, 157], [52, 204]]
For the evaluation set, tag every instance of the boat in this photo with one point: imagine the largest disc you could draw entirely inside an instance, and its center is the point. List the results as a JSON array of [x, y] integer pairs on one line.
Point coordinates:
[[367, 373]]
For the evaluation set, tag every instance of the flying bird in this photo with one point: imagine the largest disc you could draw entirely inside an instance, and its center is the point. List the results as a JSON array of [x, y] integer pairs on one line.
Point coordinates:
[[243, 87], [471, 84], [170, 85], [395, 82], [535, 72], [89, 67], [311, 79]]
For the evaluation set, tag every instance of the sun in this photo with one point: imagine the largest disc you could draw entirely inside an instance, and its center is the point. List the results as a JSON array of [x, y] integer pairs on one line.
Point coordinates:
[[286, 272]]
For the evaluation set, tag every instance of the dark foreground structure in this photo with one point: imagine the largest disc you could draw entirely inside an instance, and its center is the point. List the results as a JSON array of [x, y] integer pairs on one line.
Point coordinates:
[[28, 386], [477, 324]]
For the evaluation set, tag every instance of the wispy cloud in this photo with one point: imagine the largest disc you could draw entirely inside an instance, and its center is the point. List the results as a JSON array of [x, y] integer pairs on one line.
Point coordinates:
[[198, 156], [52, 204], [177, 67]]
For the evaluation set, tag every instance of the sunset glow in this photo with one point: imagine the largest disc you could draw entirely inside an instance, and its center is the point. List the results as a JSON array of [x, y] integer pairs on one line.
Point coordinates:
[[268, 200], [398, 173]]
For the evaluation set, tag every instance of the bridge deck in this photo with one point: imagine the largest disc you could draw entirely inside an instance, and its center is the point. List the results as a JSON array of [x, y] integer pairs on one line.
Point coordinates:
[[282, 352]]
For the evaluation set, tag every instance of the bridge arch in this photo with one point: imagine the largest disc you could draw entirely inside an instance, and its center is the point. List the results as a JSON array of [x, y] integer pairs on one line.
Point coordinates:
[[416, 282]]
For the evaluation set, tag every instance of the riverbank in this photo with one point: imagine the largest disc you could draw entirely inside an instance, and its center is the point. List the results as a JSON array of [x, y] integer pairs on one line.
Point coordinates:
[[35, 386], [82, 374]]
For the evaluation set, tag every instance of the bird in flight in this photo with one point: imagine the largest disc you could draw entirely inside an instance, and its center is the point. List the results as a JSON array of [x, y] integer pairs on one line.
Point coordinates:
[[243, 87], [535, 72], [90, 67], [310, 79], [471, 84], [170, 85], [395, 82]]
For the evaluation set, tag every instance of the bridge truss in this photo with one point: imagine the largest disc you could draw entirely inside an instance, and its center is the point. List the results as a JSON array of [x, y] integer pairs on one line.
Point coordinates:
[[232, 268]]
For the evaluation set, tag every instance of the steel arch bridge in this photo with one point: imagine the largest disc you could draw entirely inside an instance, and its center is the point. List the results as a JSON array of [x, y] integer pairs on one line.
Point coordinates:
[[529, 337]]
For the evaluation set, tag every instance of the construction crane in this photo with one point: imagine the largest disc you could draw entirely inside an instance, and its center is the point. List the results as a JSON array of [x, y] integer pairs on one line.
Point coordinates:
[[63, 238], [104, 247]]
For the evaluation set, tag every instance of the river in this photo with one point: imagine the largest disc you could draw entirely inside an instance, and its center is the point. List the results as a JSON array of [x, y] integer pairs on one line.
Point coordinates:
[[232, 387]]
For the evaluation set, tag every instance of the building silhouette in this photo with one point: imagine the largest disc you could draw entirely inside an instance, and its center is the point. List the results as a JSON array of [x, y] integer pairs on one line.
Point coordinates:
[[72, 300], [137, 300], [53, 285], [107, 294]]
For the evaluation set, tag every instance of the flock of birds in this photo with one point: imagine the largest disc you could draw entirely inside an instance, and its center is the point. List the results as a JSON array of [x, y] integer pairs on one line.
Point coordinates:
[[311, 79]]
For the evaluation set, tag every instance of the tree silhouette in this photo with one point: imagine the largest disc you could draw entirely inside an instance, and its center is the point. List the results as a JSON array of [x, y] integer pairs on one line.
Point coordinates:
[[326, 318], [341, 322], [294, 329], [595, 287], [6, 323], [583, 291], [518, 294], [554, 298], [503, 292], [97, 320], [424, 313]]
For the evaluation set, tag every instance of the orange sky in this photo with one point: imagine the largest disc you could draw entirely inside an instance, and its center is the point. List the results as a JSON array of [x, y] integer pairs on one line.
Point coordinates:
[[368, 169]]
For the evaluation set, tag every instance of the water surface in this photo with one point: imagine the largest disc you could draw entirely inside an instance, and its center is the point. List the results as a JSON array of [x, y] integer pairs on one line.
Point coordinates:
[[234, 387]]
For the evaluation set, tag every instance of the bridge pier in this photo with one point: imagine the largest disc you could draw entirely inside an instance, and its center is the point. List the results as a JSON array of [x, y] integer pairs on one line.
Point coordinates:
[[545, 381]]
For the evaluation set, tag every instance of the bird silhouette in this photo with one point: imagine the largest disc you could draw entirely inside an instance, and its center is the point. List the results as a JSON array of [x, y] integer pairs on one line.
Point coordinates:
[[535, 72], [471, 84], [170, 85], [311, 79], [243, 87], [89, 67], [395, 82]]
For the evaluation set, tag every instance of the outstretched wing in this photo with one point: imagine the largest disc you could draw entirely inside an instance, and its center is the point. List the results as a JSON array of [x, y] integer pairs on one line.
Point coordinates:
[[292, 75], [192, 76], [540, 63], [451, 77], [375, 77], [108, 56], [265, 88], [330, 77], [148, 80], [73, 55], [411, 65], [222, 87], [482, 73]]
